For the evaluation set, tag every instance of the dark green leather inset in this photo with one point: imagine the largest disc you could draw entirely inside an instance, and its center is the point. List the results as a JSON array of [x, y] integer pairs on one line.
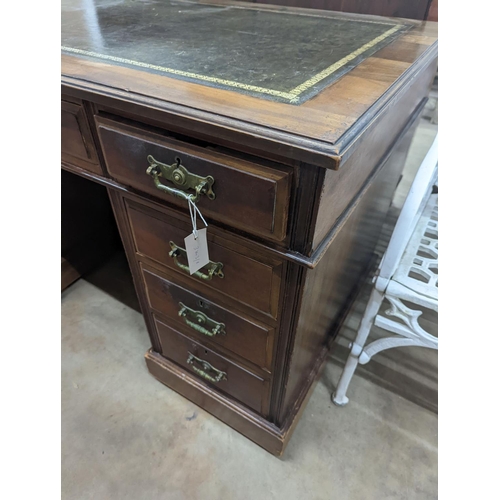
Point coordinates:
[[271, 54]]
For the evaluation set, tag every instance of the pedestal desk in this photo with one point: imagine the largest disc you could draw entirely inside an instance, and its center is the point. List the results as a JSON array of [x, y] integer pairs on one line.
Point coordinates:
[[289, 127]]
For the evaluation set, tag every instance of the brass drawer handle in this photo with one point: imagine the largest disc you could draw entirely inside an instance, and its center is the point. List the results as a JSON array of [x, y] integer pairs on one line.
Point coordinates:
[[182, 179], [197, 321], [212, 267], [206, 367]]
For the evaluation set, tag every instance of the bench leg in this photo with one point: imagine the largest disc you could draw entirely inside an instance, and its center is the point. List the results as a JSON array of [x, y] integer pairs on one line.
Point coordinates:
[[376, 298]]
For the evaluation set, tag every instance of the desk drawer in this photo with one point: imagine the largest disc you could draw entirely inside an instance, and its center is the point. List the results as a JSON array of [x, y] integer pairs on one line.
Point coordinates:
[[249, 278], [205, 321], [77, 146], [221, 373], [245, 195]]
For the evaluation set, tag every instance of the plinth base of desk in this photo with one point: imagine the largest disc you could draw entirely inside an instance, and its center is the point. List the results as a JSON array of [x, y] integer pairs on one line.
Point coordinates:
[[250, 424]]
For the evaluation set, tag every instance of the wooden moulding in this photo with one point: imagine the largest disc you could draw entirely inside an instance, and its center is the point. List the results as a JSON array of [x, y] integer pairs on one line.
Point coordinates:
[[310, 177], [312, 241], [256, 428], [248, 423], [322, 246], [322, 131], [311, 229]]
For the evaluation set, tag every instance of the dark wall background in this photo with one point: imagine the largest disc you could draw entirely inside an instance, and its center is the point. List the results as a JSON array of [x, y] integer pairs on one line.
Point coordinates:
[[411, 9]]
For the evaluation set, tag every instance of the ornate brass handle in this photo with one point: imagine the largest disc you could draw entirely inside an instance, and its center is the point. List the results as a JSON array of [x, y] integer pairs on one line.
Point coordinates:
[[206, 367], [182, 178], [212, 267], [197, 321]]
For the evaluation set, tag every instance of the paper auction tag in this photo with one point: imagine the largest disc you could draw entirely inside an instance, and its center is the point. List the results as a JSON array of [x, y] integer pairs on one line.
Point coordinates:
[[197, 250]]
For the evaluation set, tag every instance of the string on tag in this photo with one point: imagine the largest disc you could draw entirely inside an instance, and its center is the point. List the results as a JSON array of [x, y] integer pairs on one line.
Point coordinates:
[[193, 209]]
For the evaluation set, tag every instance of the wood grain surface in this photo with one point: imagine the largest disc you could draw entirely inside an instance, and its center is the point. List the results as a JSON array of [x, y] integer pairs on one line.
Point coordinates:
[[309, 132], [301, 194]]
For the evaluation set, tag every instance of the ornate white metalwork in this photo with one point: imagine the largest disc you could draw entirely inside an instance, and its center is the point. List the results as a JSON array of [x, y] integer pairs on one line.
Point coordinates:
[[408, 271], [409, 317], [418, 269]]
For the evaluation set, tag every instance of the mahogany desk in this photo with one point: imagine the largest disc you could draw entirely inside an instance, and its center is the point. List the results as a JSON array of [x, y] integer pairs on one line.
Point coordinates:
[[291, 127]]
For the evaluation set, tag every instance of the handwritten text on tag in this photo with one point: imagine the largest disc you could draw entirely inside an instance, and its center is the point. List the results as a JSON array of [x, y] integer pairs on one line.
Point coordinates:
[[197, 250]]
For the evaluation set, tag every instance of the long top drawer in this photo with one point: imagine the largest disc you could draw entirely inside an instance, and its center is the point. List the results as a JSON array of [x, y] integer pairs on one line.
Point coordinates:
[[245, 195]]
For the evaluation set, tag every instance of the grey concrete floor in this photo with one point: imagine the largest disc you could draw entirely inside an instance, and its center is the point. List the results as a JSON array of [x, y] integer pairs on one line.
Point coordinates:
[[126, 436]]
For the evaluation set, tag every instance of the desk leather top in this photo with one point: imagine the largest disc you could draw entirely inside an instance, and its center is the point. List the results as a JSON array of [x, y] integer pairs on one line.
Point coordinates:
[[300, 82], [283, 56]]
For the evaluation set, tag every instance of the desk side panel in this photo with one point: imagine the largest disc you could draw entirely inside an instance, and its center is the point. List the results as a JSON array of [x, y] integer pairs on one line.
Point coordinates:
[[330, 289]]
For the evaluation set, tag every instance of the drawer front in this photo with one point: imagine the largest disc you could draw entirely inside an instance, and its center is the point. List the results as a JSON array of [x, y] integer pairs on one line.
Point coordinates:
[[77, 146], [248, 196], [221, 373], [255, 283], [206, 322]]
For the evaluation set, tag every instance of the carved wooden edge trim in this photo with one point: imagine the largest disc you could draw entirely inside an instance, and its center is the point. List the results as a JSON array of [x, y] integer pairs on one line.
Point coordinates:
[[320, 153], [218, 127], [312, 178], [289, 255], [344, 146], [240, 418], [163, 206], [308, 186], [294, 285], [89, 109], [330, 236]]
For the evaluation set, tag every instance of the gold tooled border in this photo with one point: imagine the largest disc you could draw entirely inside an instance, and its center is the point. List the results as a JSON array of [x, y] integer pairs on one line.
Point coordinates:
[[292, 96]]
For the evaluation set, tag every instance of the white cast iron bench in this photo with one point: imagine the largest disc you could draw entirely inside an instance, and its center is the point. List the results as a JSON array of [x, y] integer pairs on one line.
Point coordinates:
[[407, 272]]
